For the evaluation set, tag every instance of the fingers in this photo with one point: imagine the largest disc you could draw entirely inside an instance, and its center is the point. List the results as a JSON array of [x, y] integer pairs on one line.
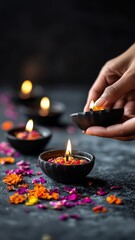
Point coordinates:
[[98, 87], [121, 87], [120, 103], [118, 131]]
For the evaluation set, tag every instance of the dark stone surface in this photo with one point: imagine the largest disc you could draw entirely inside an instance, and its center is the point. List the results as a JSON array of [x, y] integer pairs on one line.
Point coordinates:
[[114, 165]]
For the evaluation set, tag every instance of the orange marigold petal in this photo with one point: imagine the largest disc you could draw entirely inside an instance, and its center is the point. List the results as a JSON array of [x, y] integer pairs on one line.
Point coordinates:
[[7, 125], [5, 160], [118, 201], [111, 199], [13, 179], [17, 198]]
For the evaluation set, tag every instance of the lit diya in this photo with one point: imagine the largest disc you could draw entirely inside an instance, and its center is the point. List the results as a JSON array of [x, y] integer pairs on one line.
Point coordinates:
[[97, 116], [27, 93], [29, 140], [66, 167], [44, 111]]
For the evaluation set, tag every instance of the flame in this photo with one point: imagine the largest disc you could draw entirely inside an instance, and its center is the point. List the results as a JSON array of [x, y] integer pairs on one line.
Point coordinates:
[[29, 125], [68, 149], [45, 103], [92, 104], [95, 108], [26, 87]]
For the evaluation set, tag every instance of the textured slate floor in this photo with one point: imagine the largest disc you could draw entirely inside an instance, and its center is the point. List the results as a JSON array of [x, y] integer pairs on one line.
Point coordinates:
[[114, 165]]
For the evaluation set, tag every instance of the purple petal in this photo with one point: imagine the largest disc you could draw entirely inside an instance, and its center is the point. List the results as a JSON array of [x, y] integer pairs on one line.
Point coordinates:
[[64, 217], [73, 197], [69, 204], [101, 192], [23, 163], [70, 190], [116, 187], [55, 190], [39, 173], [41, 180], [22, 190], [34, 180], [42, 206], [86, 200]]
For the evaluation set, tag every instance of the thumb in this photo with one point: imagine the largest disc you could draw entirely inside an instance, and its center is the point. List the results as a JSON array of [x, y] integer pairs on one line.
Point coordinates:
[[115, 91]]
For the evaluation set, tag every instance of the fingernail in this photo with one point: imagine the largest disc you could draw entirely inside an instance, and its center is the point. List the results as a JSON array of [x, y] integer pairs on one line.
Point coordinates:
[[100, 102]]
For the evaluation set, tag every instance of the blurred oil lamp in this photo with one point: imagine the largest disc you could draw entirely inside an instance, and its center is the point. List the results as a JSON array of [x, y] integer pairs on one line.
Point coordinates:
[[66, 166], [27, 139], [97, 116], [44, 106], [26, 89], [44, 112], [28, 93]]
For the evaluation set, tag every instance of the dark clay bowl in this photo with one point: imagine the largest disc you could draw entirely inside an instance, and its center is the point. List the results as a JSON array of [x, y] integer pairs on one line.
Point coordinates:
[[37, 93], [29, 147], [103, 118], [66, 173], [55, 112]]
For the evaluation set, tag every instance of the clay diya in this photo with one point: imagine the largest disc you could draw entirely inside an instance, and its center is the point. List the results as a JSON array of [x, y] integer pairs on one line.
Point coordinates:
[[66, 167], [97, 116], [43, 111], [27, 93], [28, 140]]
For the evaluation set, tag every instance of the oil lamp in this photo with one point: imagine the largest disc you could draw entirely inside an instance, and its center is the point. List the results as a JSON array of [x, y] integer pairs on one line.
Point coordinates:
[[29, 140], [97, 116], [44, 106], [27, 93], [44, 111], [26, 89], [66, 166]]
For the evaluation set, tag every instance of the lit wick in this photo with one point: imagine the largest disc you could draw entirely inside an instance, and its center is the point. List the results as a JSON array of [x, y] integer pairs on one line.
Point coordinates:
[[26, 89], [44, 106], [29, 126], [95, 108], [68, 150]]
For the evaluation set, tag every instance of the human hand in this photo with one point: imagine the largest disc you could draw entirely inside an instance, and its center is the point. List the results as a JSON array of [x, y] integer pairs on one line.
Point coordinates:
[[115, 88]]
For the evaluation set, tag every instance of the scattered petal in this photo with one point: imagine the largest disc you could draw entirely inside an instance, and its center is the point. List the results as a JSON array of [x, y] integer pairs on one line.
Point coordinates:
[[22, 190], [7, 125], [13, 179], [115, 187], [42, 206], [64, 217], [31, 201], [17, 198], [99, 209], [113, 199], [101, 192], [5, 160]]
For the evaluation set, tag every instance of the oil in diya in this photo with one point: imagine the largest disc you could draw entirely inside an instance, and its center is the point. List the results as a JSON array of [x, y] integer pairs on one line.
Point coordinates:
[[27, 139], [66, 166], [29, 133], [97, 116], [68, 159]]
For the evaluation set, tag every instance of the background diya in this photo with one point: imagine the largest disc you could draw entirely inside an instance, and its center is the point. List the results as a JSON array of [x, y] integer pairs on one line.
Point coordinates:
[[28, 140], [43, 111]]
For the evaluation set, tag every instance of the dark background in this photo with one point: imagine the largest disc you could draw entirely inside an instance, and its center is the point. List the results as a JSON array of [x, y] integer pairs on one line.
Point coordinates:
[[62, 42]]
